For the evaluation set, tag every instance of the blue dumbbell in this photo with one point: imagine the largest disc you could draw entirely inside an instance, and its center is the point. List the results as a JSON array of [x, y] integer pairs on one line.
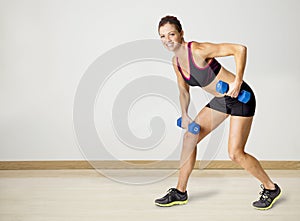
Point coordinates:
[[222, 87], [193, 127]]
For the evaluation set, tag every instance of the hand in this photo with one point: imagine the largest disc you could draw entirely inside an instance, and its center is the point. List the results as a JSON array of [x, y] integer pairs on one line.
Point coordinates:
[[234, 89], [186, 120]]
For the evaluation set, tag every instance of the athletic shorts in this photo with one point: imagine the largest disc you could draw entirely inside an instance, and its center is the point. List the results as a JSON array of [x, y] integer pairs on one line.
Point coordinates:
[[234, 107]]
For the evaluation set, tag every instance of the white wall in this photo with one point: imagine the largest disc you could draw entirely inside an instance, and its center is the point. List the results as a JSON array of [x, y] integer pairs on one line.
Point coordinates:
[[47, 46]]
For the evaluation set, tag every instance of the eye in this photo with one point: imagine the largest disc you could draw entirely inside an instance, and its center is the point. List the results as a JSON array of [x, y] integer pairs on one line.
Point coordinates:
[[162, 36]]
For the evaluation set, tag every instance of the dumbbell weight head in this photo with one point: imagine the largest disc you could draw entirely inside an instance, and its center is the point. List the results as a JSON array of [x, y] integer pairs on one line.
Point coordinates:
[[179, 120], [222, 87], [194, 128], [244, 96]]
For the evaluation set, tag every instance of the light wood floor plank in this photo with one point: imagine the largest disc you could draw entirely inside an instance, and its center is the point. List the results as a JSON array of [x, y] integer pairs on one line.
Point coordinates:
[[137, 164]]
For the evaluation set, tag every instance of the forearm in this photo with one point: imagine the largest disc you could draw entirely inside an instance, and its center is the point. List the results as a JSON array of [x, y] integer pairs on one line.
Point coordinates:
[[184, 99], [240, 60]]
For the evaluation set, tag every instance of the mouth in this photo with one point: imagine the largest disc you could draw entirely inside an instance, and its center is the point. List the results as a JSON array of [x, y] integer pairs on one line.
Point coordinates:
[[169, 45]]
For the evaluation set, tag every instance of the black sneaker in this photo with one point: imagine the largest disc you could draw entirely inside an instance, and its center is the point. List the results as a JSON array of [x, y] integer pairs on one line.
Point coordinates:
[[173, 197], [268, 198]]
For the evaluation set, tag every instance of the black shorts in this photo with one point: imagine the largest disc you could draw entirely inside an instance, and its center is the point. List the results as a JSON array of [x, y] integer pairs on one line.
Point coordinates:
[[234, 107]]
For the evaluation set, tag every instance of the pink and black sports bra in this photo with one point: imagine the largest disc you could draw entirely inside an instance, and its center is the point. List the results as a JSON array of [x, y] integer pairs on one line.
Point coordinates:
[[200, 76]]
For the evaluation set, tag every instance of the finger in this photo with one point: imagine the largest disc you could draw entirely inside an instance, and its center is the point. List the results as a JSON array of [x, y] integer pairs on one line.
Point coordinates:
[[229, 94]]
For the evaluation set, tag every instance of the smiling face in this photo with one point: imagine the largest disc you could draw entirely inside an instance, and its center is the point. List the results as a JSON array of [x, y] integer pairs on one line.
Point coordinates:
[[170, 36]]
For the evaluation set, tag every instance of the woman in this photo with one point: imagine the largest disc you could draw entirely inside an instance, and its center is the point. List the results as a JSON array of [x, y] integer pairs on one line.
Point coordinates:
[[195, 65]]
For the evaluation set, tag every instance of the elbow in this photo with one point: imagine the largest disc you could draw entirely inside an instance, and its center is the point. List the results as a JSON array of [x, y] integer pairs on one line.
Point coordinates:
[[184, 89], [184, 93], [243, 49]]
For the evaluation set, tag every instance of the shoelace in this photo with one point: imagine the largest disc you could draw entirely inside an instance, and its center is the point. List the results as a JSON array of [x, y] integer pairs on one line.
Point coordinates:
[[171, 190], [265, 194]]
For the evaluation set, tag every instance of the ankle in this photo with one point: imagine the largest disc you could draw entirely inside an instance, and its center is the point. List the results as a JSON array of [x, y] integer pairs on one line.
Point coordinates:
[[270, 186], [180, 189]]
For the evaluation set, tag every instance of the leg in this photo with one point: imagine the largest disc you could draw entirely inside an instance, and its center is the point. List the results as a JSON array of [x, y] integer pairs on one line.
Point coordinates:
[[208, 119], [238, 135]]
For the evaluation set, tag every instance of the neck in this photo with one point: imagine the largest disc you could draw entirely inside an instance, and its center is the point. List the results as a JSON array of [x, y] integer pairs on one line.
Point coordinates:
[[181, 51]]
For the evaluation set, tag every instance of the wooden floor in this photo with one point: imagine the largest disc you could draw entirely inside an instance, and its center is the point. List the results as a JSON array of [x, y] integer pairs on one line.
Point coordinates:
[[39, 195]]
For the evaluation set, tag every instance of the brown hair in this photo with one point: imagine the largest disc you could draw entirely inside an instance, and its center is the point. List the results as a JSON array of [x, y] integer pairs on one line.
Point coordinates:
[[171, 20]]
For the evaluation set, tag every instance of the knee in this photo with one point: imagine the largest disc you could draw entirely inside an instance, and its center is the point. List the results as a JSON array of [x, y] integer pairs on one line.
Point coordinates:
[[188, 136], [237, 156]]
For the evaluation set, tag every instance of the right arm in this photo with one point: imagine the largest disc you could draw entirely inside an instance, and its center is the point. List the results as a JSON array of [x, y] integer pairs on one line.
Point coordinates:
[[184, 96]]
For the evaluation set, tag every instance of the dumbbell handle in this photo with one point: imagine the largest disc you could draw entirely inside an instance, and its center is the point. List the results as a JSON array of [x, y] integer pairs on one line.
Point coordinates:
[[223, 87], [193, 127]]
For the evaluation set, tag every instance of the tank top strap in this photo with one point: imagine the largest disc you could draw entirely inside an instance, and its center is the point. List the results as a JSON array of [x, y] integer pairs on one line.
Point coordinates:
[[190, 44]]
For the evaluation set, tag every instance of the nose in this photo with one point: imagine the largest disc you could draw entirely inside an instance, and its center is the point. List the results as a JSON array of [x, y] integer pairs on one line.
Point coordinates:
[[168, 38]]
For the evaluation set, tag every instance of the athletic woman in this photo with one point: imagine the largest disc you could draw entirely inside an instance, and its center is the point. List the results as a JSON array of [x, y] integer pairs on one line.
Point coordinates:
[[195, 65]]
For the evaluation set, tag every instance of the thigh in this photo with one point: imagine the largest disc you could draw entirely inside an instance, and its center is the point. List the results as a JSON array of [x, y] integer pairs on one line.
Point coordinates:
[[238, 134], [209, 119]]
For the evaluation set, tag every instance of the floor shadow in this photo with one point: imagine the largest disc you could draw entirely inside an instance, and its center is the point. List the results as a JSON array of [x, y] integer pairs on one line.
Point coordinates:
[[282, 199], [203, 195]]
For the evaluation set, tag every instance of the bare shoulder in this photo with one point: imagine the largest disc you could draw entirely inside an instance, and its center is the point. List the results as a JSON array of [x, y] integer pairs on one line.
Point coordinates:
[[202, 48], [173, 59], [199, 45], [174, 62]]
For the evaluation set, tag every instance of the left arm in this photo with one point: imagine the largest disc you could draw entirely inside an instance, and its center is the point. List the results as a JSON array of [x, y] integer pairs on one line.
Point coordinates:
[[210, 50]]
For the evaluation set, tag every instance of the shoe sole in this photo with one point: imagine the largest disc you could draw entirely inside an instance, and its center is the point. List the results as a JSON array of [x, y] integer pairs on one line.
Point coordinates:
[[270, 206], [172, 204]]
